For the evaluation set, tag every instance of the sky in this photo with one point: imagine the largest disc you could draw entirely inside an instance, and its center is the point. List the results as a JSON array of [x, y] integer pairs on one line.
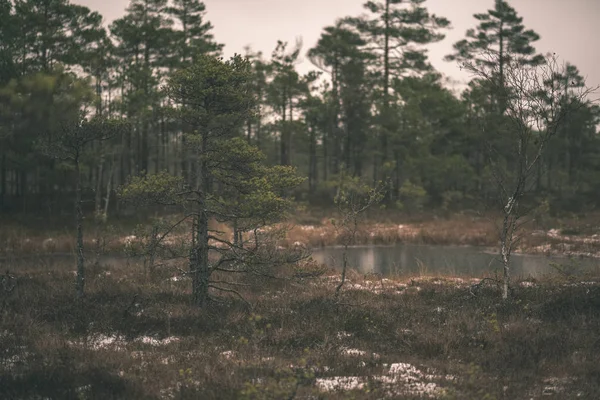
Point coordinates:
[[571, 29]]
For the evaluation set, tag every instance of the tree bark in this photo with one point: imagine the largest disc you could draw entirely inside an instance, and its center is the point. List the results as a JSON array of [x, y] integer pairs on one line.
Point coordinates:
[[80, 285], [199, 257], [505, 253], [160, 148], [506, 238], [238, 239], [3, 195], [325, 156], [98, 194], [249, 130], [285, 160], [23, 187], [312, 163], [501, 67], [201, 271], [386, 87], [334, 128], [344, 268], [257, 130], [108, 189], [184, 166]]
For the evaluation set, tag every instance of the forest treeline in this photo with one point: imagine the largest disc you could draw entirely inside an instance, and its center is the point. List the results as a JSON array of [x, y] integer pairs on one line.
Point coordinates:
[[372, 108]]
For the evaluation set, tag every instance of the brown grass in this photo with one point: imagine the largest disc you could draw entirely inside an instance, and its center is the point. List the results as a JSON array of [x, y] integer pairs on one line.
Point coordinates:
[[567, 236], [459, 230], [465, 341]]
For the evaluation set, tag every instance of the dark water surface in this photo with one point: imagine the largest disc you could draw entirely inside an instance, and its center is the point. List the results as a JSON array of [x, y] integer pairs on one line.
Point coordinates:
[[445, 260], [402, 259]]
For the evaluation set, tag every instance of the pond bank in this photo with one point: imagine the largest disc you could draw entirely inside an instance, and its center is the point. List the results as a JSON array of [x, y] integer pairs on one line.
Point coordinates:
[[575, 238], [456, 231]]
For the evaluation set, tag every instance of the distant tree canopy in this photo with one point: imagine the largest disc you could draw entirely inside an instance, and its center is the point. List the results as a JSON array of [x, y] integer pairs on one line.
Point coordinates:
[[375, 109]]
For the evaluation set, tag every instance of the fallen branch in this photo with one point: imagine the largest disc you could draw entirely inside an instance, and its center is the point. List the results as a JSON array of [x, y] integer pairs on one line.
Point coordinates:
[[234, 292]]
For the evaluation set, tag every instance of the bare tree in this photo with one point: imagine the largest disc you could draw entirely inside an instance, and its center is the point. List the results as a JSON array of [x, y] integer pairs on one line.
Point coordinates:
[[352, 200], [69, 144], [532, 102]]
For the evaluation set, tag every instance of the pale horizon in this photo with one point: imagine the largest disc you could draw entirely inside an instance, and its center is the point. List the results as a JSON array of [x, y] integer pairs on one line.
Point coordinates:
[[568, 29]]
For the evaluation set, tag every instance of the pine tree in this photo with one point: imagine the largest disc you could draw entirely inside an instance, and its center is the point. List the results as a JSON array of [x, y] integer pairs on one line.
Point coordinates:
[[39, 36], [193, 38], [282, 91], [340, 52], [141, 36], [500, 31], [396, 33], [230, 183], [337, 47], [260, 70], [190, 39], [53, 32], [8, 48], [314, 119], [8, 71]]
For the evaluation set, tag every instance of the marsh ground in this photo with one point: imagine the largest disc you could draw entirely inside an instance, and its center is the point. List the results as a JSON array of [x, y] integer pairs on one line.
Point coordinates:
[[136, 336]]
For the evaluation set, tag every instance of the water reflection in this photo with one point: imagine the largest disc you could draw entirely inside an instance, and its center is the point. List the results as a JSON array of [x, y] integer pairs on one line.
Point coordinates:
[[443, 260]]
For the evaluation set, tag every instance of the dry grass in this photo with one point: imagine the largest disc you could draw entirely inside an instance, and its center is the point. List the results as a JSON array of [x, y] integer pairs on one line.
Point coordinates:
[[570, 236], [459, 230], [136, 336]]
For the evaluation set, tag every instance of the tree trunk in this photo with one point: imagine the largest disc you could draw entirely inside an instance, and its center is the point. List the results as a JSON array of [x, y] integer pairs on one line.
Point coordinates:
[[395, 193], [3, 182], [23, 191], [144, 146], [386, 87], [98, 196], [161, 159], [348, 149], [200, 270], [257, 130], [375, 168], [290, 132], [283, 145], [108, 189], [334, 129], [199, 257], [165, 148], [144, 149], [80, 285], [344, 268], [128, 155], [249, 130], [505, 250], [325, 156], [568, 167], [312, 163], [238, 239], [184, 166], [151, 250], [358, 163], [501, 67]]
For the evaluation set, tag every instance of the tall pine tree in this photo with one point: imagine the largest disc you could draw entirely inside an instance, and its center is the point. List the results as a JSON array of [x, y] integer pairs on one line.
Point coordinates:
[[500, 31], [395, 32]]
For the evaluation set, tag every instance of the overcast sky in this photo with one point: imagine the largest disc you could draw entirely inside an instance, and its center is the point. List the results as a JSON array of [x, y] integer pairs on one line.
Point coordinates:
[[570, 28]]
